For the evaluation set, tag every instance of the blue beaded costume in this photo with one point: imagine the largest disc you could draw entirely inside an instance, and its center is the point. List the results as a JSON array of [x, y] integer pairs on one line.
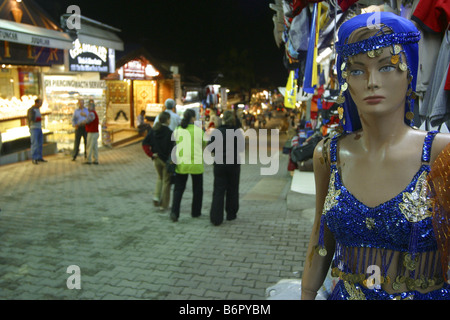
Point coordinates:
[[389, 251], [367, 237]]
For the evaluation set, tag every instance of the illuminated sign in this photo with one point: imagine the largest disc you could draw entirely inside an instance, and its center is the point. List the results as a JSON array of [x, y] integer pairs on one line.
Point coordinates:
[[136, 69], [88, 57]]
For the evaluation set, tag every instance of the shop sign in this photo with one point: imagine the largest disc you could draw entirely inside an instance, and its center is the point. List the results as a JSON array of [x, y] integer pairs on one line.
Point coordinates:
[[31, 39], [70, 84], [136, 69], [88, 57], [16, 53]]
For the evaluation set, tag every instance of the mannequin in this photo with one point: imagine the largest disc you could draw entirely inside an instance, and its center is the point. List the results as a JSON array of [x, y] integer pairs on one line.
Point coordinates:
[[377, 240]]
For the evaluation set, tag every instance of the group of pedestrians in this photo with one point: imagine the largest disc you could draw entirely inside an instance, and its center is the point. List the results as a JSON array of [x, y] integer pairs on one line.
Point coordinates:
[[85, 121], [186, 148]]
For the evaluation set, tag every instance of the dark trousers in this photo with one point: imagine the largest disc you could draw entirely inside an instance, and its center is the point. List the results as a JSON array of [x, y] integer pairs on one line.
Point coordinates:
[[79, 132], [225, 193], [197, 189]]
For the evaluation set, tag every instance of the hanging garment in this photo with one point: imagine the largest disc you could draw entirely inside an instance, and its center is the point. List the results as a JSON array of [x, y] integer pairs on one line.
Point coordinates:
[[299, 32], [345, 4], [290, 97], [436, 103], [311, 64], [433, 15]]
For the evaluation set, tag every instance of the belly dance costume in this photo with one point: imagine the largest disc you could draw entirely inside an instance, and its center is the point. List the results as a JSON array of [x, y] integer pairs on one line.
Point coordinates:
[[367, 237]]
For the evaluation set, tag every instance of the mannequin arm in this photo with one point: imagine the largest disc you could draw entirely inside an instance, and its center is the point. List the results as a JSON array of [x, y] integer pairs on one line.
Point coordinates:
[[316, 267]]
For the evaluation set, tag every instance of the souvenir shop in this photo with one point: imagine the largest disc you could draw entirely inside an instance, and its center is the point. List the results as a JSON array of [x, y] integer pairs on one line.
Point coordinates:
[[139, 83], [90, 58], [307, 31], [41, 59], [30, 46]]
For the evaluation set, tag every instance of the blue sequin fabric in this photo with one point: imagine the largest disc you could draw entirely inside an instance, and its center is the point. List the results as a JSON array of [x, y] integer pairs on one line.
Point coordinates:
[[346, 291], [377, 42], [367, 236]]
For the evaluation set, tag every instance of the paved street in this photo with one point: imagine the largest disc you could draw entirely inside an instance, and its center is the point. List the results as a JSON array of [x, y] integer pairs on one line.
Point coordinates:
[[102, 220]]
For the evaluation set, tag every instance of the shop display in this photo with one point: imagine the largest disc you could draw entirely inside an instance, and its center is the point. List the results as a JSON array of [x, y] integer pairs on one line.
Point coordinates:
[[15, 108], [62, 105]]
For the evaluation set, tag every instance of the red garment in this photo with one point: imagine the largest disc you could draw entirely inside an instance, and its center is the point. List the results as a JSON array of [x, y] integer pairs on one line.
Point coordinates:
[[93, 125], [345, 4], [327, 105], [432, 15], [299, 5], [148, 150], [291, 165]]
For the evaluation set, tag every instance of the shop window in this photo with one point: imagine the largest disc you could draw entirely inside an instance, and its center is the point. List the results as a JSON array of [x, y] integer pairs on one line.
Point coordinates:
[[28, 81]]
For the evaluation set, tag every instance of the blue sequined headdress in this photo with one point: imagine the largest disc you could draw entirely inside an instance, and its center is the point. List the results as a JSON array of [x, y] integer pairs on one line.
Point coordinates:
[[403, 32]]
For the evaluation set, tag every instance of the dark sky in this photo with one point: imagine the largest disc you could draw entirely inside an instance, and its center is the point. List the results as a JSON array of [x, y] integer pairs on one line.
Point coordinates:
[[195, 32]]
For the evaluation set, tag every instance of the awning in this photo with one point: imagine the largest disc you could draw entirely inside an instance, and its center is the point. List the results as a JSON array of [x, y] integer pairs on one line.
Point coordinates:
[[36, 36], [96, 33]]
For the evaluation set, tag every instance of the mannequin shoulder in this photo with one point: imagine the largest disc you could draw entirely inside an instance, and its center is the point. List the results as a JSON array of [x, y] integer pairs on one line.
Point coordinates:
[[321, 157]]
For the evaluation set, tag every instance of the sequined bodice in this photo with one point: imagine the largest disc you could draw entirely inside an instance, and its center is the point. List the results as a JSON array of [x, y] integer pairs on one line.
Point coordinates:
[[397, 236], [388, 225]]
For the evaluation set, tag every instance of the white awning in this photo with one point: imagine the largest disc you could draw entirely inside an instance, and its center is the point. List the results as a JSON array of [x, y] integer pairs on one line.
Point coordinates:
[[36, 36], [100, 37], [96, 33]]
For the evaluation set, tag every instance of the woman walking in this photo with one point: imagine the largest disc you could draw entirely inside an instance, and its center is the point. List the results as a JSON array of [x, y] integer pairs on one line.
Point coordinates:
[[162, 145], [189, 160], [227, 169]]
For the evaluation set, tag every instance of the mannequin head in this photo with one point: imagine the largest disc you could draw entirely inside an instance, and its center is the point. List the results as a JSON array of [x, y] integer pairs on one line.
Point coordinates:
[[376, 61]]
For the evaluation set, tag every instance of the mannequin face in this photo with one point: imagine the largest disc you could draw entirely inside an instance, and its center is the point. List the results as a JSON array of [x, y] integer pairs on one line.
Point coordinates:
[[377, 86]]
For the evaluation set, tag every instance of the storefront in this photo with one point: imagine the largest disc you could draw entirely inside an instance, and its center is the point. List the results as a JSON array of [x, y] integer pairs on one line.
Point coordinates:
[[137, 84], [86, 62], [39, 59], [30, 46], [62, 92]]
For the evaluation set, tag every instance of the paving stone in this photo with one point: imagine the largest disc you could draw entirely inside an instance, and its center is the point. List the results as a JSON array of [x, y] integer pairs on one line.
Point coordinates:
[[102, 219]]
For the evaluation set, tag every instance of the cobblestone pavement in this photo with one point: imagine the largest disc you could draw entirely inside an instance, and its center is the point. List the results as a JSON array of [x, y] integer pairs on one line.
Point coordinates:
[[101, 219]]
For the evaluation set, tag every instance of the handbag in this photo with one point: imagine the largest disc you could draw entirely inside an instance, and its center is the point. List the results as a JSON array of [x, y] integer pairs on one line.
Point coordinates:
[[170, 166], [306, 151]]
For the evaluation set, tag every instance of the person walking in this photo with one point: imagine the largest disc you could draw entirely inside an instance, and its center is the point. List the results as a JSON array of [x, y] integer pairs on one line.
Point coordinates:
[[162, 145], [189, 160], [227, 141], [78, 122], [36, 136], [91, 126], [175, 119]]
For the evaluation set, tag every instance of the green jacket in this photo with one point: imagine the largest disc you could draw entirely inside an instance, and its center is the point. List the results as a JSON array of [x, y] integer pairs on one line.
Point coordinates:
[[189, 149]]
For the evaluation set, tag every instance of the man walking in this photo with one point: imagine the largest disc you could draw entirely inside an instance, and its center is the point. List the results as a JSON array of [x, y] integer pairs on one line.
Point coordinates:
[[175, 119], [36, 136], [78, 121]]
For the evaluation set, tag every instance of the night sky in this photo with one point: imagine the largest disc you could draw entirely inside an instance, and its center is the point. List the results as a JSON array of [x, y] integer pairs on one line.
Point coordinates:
[[194, 32]]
